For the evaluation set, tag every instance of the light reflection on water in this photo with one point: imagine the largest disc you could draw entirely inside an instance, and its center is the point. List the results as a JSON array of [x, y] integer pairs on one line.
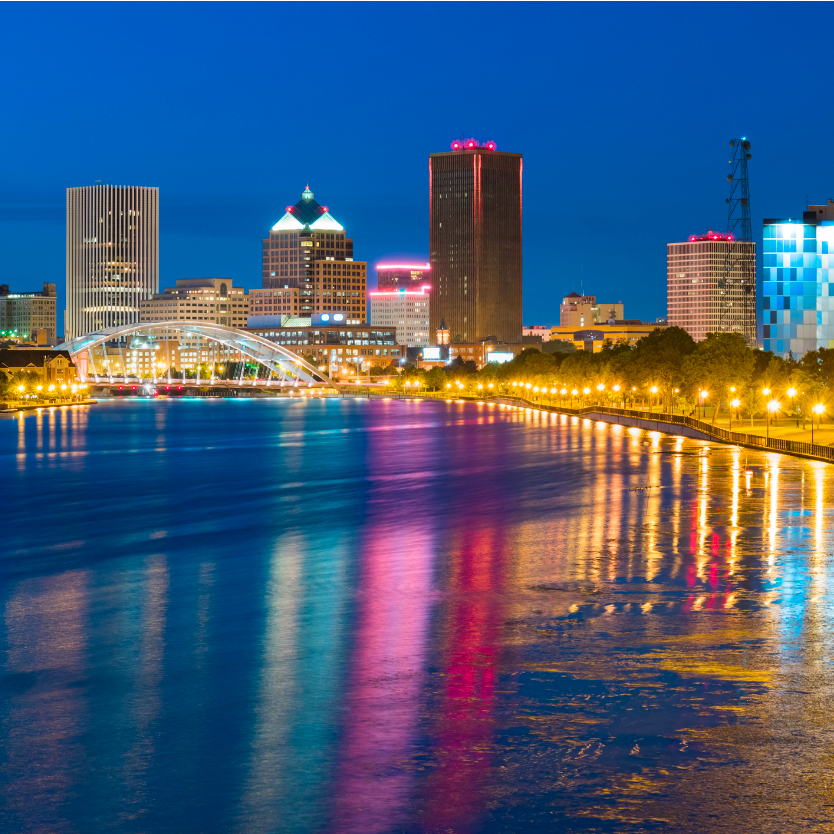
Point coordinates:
[[358, 616]]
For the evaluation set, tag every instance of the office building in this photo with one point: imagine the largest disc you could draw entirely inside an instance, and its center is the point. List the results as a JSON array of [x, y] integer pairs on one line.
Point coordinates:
[[112, 255], [308, 250], [797, 273], [583, 311], [29, 316], [402, 276], [407, 310], [212, 300], [341, 350], [475, 242], [592, 339], [698, 298], [198, 299]]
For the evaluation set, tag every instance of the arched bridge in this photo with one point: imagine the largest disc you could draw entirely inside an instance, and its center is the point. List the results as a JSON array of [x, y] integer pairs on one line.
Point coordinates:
[[95, 355]]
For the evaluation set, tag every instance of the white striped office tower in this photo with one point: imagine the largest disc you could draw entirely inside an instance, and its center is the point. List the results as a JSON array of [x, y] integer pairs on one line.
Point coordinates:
[[112, 255]]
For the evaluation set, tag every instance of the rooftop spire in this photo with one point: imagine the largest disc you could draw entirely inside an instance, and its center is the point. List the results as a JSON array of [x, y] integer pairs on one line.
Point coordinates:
[[306, 194]]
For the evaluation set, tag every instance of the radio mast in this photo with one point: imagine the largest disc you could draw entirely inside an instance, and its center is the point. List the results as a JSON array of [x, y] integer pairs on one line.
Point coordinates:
[[737, 312]]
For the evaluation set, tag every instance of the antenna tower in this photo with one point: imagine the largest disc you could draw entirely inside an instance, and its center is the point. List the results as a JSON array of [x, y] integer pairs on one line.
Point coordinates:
[[737, 312]]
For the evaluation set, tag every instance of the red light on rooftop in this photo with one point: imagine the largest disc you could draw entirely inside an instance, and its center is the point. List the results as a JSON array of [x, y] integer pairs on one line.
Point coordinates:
[[324, 209], [289, 208], [471, 144], [455, 145]]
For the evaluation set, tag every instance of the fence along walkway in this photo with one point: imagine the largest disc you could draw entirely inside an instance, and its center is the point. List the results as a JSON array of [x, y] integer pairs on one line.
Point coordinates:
[[791, 447]]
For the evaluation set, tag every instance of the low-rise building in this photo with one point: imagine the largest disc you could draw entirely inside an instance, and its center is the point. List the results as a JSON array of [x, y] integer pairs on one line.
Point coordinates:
[[583, 311], [407, 310], [594, 338], [192, 299], [340, 350], [542, 330], [198, 299], [48, 366], [29, 316]]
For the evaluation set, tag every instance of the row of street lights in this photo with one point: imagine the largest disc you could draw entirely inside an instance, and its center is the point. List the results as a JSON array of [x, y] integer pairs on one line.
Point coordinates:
[[52, 391]]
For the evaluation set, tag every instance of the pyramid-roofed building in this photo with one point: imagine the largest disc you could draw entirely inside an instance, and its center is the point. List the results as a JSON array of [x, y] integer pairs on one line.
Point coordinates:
[[308, 251]]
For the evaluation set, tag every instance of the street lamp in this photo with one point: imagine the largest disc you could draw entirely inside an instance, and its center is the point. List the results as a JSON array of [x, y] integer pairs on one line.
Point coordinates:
[[734, 403], [773, 406], [819, 410]]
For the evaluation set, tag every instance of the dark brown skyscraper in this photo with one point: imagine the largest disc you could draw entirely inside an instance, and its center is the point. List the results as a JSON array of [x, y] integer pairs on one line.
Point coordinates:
[[475, 242]]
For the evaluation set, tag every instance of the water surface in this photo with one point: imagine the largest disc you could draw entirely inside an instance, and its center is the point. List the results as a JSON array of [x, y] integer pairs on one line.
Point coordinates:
[[353, 616]]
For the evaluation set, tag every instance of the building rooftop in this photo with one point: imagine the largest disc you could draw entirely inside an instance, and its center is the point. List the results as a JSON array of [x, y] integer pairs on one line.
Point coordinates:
[[711, 235], [307, 213]]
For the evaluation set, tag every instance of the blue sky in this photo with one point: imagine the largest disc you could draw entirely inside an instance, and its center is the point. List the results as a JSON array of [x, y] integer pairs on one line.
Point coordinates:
[[623, 113]]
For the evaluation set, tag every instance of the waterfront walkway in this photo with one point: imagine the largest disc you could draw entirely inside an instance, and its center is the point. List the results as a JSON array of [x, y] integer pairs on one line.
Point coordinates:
[[660, 421]]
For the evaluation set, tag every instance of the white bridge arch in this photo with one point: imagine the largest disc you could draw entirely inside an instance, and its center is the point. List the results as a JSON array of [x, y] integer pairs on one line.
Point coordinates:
[[277, 359]]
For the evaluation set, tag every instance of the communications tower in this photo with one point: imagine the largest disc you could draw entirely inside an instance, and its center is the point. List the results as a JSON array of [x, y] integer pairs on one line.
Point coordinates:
[[737, 288]]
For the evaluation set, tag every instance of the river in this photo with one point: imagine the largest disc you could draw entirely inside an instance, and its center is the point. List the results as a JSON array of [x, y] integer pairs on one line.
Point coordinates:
[[385, 616]]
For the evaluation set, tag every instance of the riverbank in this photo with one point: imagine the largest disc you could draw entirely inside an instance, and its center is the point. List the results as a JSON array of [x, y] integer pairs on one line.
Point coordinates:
[[675, 424], [14, 408]]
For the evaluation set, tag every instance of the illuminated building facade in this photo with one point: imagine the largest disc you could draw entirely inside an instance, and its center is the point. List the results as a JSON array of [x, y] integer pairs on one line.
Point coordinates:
[[402, 276], [27, 315], [592, 339], [112, 255], [341, 350], [199, 299], [192, 299], [475, 241], [696, 291], [308, 250], [582, 311], [797, 312], [407, 310]]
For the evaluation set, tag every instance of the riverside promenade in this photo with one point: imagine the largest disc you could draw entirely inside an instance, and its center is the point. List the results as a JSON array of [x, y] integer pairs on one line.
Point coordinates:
[[677, 424]]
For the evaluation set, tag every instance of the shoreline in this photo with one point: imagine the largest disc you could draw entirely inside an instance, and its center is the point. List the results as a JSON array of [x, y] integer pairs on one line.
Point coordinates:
[[35, 406]]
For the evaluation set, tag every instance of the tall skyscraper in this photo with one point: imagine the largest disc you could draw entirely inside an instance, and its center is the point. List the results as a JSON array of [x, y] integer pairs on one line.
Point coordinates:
[[797, 296], [697, 294], [112, 255], [308, 249], [475, 241]]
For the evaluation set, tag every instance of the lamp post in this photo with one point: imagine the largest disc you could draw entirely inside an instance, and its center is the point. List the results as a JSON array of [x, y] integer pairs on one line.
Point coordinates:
[[772, 407], [819, 410], [734, 404], [653, 392]]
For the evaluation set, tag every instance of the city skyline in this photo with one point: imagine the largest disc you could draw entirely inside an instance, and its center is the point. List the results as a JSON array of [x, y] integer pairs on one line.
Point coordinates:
[[224, 181]]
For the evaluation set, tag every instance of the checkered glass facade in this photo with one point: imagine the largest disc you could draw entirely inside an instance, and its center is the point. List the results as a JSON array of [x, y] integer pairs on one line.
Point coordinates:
[[796, 305]]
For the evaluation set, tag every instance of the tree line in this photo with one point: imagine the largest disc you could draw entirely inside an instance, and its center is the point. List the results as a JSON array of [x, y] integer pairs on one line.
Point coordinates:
[[666, 368]]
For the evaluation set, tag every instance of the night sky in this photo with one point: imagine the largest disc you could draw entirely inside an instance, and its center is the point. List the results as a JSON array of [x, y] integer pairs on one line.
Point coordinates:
[[623, 113]]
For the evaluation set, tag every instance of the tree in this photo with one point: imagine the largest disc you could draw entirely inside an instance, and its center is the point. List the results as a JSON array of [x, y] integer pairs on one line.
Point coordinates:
[[658, 359], [435, 379], [461, 366], [558, 346], [722, 360]]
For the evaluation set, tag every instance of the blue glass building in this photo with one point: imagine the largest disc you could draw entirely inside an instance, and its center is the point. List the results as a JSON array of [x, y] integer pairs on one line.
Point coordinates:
[[796, 305]]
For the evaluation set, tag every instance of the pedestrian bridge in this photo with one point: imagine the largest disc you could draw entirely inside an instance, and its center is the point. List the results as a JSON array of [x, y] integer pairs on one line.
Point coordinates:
[[280, 366]]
